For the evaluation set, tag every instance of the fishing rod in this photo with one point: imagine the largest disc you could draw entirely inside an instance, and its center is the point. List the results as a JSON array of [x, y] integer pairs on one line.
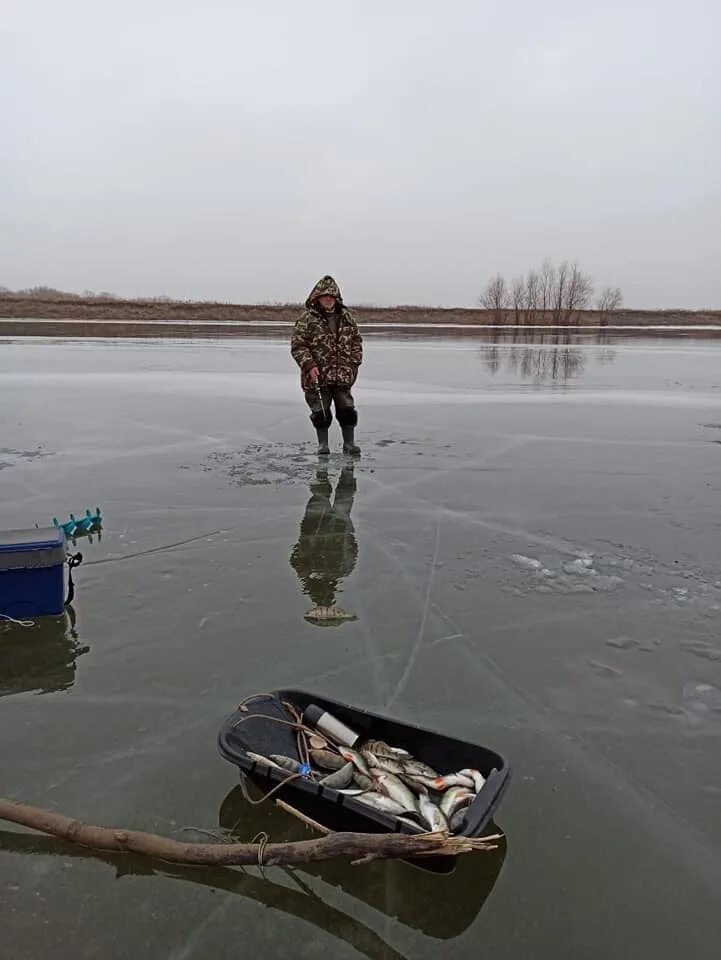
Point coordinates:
[[320, 397]]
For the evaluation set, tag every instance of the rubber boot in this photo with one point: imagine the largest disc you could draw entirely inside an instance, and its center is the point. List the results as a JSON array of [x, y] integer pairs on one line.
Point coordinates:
[[323, 448], [350, 447]]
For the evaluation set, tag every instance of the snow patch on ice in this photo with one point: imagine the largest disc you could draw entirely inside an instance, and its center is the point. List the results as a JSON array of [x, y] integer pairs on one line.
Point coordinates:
[[573, 576]]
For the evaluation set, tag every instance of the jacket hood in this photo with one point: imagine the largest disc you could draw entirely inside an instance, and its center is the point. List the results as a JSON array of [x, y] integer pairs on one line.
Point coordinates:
[[325, 285]]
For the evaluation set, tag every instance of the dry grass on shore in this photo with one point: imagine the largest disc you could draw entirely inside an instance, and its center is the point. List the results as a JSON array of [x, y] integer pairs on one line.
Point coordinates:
[[98, 309]]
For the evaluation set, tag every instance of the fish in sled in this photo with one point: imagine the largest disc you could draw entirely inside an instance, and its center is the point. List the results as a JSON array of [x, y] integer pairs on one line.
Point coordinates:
[[352, 770]]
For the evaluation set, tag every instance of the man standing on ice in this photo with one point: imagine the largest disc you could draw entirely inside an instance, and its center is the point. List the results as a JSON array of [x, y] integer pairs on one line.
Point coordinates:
[[328, 348]]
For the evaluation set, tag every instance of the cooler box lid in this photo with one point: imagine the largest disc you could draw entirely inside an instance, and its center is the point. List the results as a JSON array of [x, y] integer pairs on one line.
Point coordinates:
[[34, 548], [36, 538]]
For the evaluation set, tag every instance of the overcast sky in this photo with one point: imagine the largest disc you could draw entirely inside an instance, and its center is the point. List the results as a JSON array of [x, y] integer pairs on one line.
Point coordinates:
[[236, 150]]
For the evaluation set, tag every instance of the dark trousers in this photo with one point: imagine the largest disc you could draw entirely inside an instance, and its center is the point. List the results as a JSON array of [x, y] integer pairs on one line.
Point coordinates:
[[333, 397]]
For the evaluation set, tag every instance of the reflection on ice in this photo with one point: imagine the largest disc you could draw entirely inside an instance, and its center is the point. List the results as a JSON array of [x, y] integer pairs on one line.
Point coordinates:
[[395, 888], [545, 357], [39, 659], [326, 551]]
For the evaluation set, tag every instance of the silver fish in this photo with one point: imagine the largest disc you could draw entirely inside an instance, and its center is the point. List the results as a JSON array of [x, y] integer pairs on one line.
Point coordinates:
[[362, 781], [381, 749], [423, 784], [341, 778], [475, 775], [287, 763], [452, 780], [417, 768], [417, 828], [327, 760], [415, 785], [454, 799], [431, 814], [382, 803], [397, 790], [258, 758], [458, 819], [383, 763], [353, 792], [351, 755]]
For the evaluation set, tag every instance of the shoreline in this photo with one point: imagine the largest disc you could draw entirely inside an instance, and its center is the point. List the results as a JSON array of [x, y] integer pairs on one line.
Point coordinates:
[[277, 330], [375, 325], [98, 311]]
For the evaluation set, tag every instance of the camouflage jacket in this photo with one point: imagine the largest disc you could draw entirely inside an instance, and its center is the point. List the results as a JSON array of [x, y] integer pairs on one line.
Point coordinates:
[[336, 355]]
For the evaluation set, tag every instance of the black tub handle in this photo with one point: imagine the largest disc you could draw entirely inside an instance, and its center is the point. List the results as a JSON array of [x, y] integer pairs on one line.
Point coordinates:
[[482, 808]]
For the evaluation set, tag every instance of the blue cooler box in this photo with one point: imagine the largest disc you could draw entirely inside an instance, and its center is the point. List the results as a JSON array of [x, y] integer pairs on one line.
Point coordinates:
[[31, 572]]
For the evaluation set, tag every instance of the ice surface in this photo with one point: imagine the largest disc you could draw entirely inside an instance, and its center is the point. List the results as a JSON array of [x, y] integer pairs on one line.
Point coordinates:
[[537, 568]]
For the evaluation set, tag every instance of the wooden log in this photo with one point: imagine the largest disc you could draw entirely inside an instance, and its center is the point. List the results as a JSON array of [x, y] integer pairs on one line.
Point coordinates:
[[362, 847]]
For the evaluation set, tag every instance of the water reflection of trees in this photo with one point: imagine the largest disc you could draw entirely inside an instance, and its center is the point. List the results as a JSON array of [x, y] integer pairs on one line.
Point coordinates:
[[554, 357]]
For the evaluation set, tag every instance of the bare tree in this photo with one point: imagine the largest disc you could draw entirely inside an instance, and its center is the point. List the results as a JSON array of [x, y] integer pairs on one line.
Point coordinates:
[[518, 296], [532, 294], [577, 293], [547, 286], [495, 298], [558, 291], [46, 293], [609, 300], [555, 294]]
